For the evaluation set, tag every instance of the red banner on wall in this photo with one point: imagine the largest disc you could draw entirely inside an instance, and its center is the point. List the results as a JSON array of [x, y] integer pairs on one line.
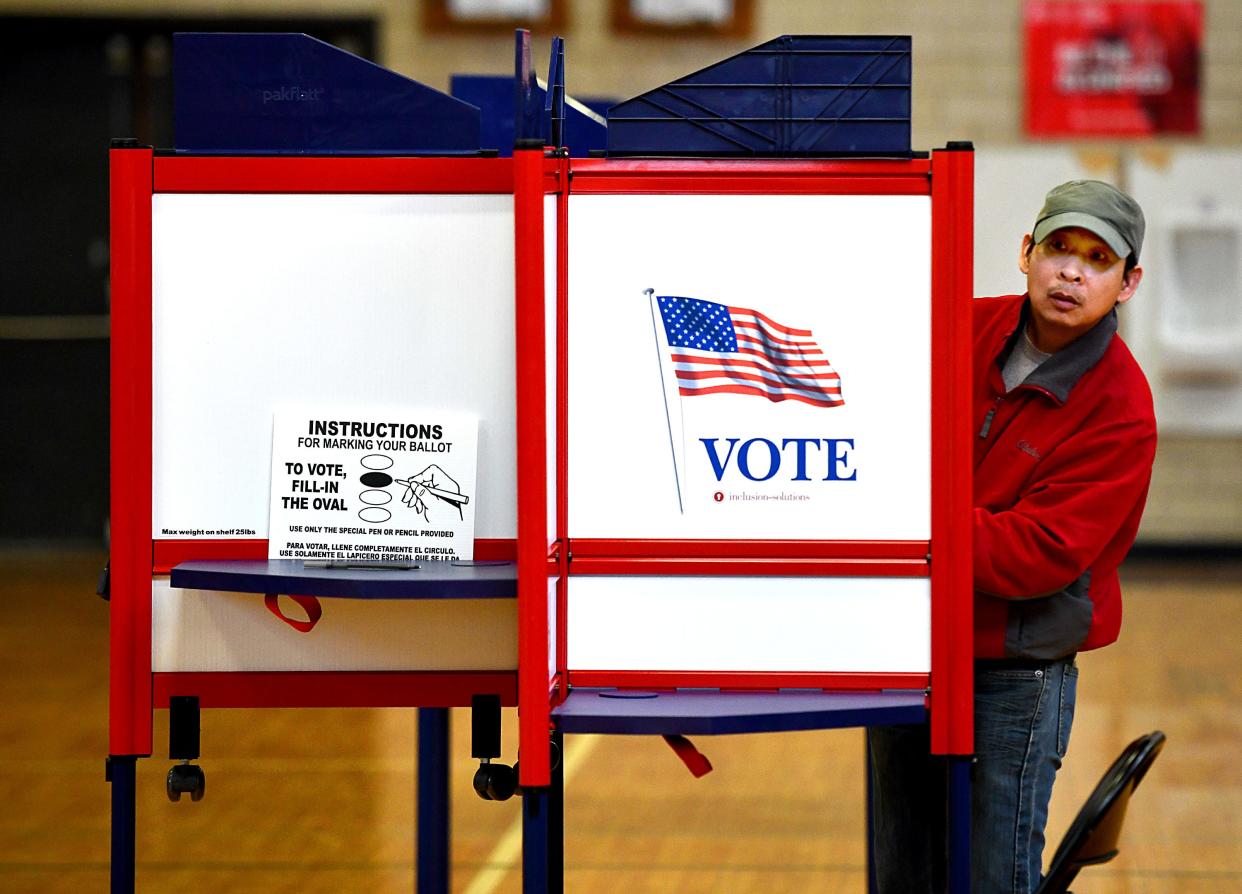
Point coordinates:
[[1112, 68]]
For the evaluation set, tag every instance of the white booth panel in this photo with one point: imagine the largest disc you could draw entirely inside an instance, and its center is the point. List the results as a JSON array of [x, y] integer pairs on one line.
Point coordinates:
[[200, 630], [552, 615], [365, 300], [791, 624], [550, 301], [647, 462]]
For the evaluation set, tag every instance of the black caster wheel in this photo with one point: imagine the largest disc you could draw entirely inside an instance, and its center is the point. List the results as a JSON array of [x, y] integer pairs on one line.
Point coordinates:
[[186, 778], [495, 782]]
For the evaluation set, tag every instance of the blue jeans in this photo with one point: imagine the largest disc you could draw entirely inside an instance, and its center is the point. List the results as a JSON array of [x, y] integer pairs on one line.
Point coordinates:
[[1022, 726]]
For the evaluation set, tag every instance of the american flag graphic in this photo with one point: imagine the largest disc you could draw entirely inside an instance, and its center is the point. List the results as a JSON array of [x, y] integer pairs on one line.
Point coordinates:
[[717, 349]]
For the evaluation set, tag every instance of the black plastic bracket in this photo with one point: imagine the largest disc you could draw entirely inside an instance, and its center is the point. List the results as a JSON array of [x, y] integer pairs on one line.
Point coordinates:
[[126, 143], [183, 727], [102, 588], [959, 146], [484, 726]]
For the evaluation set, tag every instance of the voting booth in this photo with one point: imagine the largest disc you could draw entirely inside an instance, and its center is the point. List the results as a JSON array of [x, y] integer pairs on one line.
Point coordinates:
[[762, 385], [762, 388], [707, 465], [265, 283], [343, 315]]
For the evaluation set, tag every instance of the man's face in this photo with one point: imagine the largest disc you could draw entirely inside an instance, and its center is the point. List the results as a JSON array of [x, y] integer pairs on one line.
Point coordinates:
[[1074, 279]]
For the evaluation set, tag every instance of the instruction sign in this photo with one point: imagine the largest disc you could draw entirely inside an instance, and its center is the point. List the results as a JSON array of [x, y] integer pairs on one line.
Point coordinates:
[[353, 485]]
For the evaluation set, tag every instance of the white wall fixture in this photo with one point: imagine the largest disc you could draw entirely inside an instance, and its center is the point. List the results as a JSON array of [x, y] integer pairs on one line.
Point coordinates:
[[1186, 319], [1200, 331]]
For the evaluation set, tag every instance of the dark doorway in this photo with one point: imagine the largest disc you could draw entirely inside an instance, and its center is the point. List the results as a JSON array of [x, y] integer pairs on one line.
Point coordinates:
[[67, 86]]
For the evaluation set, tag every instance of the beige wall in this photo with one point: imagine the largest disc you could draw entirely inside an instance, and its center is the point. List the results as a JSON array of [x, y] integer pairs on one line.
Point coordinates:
[[967, 85], [1196, 492], [967, 53]]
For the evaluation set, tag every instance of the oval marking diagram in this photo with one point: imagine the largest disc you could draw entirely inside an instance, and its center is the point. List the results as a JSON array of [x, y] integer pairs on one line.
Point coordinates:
[[376, 515], [376, 462]]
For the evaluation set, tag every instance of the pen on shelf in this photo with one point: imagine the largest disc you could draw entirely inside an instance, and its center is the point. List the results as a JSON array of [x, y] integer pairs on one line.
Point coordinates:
[[360, 566]]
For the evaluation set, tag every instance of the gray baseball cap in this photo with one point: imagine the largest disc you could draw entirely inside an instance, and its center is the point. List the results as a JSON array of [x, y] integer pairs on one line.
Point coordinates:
[[1096, 206]]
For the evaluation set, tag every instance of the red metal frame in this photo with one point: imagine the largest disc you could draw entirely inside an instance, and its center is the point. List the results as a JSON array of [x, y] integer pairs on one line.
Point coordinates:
[[838, 558], [952, 669], [948, 179], [727, 176], [167, 554], [136, 174], [752, 549], [361, 689], [750, 680], [562, 430], [776, 567], [129, 692], [333, 175], [534, 711]]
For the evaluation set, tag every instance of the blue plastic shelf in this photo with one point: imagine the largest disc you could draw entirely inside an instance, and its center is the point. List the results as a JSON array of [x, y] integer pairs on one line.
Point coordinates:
[[794, 96], [429, 580], [290, 94], [714, 713]]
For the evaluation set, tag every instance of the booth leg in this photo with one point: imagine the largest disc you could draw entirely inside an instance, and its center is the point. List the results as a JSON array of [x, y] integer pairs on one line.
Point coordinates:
[[872, 883], [433, 801], [536, 824], [958, 825], [556, 817], [122, 769]]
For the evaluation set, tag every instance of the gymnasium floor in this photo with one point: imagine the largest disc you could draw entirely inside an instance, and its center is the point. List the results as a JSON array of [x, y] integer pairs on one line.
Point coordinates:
[[322, 800]]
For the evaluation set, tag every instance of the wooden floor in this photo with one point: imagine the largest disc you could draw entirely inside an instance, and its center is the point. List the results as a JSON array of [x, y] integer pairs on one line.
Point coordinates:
[[322, 800]]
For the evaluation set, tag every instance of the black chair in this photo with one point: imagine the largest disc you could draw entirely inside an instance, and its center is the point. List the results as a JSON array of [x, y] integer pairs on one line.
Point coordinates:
[[1092, 837]]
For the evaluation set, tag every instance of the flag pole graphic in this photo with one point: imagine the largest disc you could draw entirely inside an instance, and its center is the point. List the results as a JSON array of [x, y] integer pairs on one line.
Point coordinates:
[[655, 331]]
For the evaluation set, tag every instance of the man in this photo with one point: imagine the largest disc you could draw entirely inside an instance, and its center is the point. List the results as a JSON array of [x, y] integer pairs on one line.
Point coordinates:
[[1065, 441]]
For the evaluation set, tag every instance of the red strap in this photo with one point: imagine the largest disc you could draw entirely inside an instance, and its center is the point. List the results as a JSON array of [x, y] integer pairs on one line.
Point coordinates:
[[695, 761], [309, 604]]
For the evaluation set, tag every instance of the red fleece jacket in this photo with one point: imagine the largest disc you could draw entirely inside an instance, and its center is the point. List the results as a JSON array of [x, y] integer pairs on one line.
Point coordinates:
[[1062, 466]]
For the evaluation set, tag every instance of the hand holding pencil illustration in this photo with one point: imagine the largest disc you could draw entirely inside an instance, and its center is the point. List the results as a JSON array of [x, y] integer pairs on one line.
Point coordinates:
[[432, 481]]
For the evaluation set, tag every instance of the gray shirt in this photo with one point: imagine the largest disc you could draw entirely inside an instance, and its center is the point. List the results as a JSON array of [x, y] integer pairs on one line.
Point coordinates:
[[1022, 361]]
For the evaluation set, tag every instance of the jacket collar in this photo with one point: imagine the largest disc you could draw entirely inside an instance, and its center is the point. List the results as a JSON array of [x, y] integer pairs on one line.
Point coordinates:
[[1060, 373]]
